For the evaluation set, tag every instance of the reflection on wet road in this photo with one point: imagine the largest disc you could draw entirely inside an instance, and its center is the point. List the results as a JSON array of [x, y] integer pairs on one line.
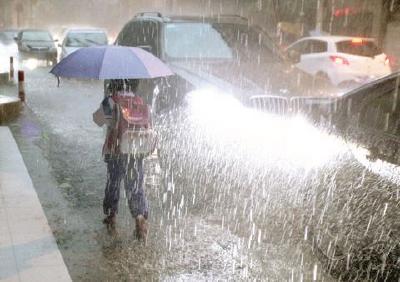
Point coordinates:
[[222, 212]]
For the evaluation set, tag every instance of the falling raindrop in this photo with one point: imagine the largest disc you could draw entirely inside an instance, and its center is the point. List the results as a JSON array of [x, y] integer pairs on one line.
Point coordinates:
[[315, 272]]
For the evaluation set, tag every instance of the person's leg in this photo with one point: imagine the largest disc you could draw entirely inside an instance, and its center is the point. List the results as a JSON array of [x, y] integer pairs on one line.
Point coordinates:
[[134, 188], [115, 172], [138, 204]]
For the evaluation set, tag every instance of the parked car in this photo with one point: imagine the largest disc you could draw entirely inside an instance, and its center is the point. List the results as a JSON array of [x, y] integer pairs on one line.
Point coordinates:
[[37, 44], [370, 116], [354, 225], [339, 60], [230, 55], [78, 38], [224, 52], [8, 46]]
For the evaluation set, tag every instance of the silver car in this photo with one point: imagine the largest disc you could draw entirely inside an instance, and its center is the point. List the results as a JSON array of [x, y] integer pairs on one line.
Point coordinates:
[[78, 38], [37, 44]]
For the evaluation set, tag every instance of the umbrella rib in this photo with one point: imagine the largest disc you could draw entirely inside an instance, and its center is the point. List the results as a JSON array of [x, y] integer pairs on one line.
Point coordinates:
[[102, 63], [144, 65]]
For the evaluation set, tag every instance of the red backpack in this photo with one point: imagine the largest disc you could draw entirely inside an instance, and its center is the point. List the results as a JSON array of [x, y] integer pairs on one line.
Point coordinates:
[[135, 133], [134, 113]]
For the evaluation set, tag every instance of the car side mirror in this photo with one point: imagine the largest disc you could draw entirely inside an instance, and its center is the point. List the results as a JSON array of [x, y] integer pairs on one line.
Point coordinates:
[[294, 56], [59, 45], [16, 38], [55, 40]]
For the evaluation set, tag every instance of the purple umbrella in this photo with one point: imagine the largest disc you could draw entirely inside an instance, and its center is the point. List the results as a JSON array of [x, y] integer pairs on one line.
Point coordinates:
[[111, 62]]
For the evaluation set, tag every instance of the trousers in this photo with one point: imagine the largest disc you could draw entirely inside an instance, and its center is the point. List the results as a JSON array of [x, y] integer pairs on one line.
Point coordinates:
[[130, 170]]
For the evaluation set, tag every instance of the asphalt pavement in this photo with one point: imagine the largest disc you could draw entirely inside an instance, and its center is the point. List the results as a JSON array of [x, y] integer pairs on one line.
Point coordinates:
[[190, 238]]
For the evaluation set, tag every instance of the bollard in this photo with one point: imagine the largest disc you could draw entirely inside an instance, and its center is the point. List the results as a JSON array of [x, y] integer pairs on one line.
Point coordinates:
[[11, 68], [21, 86]]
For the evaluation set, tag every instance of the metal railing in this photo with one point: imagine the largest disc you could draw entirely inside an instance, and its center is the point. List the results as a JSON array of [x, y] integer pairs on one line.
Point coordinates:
[[291, 105], [268, 103]]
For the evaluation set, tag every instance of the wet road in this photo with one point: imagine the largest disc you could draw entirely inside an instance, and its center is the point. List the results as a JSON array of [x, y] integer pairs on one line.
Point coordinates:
[[232, 221]]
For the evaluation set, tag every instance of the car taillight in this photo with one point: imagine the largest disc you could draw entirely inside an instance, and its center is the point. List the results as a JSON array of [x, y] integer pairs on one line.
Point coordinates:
[[387, 60], [357, 41], [390, 61], [339, 60]]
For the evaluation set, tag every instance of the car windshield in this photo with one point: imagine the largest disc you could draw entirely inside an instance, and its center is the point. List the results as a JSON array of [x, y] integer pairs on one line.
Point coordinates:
[[195, 41], [10, 33], [86, 39], [5, 39], [251, 44], [359, 48], [36, 36]]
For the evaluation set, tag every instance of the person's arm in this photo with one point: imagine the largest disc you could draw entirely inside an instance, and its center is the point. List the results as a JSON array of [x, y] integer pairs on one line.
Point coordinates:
[[109, 108], [104, 113]]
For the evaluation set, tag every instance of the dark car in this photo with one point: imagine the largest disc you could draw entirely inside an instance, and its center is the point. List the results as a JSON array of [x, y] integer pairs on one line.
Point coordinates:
[[370, 116], [224, 52], [350, 213], [352, 210], [37, 44], [354, 220]]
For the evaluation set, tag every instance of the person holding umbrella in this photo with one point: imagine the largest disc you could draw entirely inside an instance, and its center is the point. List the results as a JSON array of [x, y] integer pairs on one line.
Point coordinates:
[[123, 110], [129, 136]]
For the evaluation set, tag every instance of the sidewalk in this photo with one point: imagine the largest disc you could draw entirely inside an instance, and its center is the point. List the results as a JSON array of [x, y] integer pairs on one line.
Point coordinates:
[[28, 251]]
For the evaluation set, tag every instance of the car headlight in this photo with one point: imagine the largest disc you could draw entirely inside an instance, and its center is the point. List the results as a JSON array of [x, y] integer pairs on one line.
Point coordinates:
[[31, 64]]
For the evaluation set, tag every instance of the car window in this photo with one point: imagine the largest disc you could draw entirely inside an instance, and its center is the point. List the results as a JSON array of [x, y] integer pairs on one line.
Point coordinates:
[[36, 36], [381, 112], [5, 38], [127, 36], [358, 47], [249, 43], [85, 39], [300, 47], [195, 41], [148, 38], [144, 34], [10, 34], [317, 46]]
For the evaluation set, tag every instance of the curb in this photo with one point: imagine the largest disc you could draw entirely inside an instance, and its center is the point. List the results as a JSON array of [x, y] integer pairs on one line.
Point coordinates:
[[28, 250], [4, 78], [10, 107]]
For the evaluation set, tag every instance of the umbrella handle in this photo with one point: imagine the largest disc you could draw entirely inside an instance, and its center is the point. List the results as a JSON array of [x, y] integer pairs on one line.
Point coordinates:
[[58, 81]]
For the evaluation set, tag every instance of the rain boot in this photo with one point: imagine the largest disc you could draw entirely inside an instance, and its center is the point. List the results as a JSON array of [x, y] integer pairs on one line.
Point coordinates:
[[110, 220], [141, 228]]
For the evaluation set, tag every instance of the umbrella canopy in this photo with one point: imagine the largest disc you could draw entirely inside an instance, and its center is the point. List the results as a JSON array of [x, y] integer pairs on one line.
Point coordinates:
[[111, 62]]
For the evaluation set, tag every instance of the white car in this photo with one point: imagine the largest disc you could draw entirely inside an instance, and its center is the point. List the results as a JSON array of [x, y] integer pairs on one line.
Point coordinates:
[[339, 60], [78, 38]]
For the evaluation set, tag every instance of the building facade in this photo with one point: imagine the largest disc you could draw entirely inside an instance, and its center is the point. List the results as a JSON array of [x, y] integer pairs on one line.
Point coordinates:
[[344, 17]]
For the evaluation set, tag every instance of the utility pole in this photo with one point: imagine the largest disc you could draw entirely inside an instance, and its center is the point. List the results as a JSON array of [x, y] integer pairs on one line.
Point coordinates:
[[320, 15], [20, 9], [31, 15]]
